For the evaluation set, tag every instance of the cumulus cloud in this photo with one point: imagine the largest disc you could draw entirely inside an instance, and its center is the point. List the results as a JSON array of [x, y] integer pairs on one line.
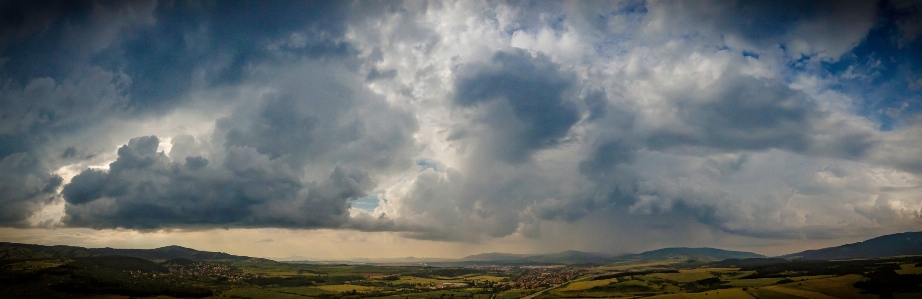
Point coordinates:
[[531, 90], [26, 184], [144, 189], [825, 30], [466, 121]]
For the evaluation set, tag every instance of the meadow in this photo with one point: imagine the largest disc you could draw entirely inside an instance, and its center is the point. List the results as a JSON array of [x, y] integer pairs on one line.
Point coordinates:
[[125, 277]]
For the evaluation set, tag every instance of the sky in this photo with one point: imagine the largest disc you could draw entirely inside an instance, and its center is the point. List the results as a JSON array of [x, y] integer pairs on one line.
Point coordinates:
[[339, 129]]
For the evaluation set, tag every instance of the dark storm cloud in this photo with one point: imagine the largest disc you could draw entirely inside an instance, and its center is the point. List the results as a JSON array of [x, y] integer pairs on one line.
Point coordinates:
[[45, 106], [49, 89], [71, 65], [26, 184], [295, 157], [143, 189], [714, 115], [219, 43], [167, 47], [69, 152], [33, 114], [55, 38], [741, 113], [597, 102], [374, 74], [524, 102], [318, 118], [820, 29]]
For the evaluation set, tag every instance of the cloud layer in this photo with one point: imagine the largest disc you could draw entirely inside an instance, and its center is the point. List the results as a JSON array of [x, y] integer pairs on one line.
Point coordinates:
[[465, 121]]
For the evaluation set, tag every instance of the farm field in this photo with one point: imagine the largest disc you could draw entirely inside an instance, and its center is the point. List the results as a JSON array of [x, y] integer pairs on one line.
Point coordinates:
[[124, 277]]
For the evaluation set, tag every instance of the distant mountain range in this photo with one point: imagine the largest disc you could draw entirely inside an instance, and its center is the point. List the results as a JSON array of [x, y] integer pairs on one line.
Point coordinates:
[[571, 257], [701, 254], [16, 251], [909, 243], [568, 257]]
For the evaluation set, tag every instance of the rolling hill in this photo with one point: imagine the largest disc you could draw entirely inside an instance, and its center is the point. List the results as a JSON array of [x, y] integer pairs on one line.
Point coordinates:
[[908, 243], [572, 257], [16, 251], [569, 257], [702, 254]]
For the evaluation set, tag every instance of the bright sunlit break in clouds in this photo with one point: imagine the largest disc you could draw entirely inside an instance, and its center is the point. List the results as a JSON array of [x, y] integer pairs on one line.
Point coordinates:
[[337, 129]]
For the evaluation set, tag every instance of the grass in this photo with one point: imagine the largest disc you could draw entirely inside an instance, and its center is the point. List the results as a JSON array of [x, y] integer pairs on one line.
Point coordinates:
[[632, 286], [716, 294], [710, 270], [731, 275], [424, 281], [684, 276], [909, 269], [585, 285], [757, 282], [761, 282], [258, 293], [907, 295], [839, 286], [633, 265], [763, 293], [457, 294], [512, 294], [799, 292], [346, 288], [305, 291], [31, 266], [475, 277]]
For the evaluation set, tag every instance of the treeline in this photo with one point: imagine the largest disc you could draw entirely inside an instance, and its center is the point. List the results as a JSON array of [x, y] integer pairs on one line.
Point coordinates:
[[632, 273], [837, 268], [443, 272]]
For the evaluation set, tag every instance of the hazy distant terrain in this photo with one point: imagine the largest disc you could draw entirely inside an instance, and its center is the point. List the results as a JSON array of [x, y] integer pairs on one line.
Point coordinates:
[[855, 271], [891, 245], [14, 251]]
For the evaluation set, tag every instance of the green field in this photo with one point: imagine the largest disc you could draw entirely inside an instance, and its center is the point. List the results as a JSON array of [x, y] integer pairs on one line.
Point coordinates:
[[346, 288], [717, 294], [585, 285], [123, 277], [683, 276]]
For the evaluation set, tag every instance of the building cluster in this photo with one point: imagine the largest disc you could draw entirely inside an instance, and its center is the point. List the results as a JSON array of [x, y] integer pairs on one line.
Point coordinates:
[[198, 270], [449, 285], [541, 278]]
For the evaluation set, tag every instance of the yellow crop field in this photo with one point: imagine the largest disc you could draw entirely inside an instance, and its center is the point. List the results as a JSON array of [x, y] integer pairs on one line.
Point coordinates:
[[634, 284], [585, 285], [800, 293], [346, 288], [716, 294], [510, 294], [760, 282], [839, 287], [259, 293], [757, 282], [424, 281], [909, 269]]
